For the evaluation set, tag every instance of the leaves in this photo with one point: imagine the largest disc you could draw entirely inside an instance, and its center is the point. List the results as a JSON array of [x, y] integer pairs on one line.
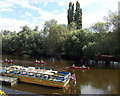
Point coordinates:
[[60, 40], [75, 17]]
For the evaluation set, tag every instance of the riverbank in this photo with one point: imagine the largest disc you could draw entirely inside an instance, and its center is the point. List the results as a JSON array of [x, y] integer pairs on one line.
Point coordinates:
[[104, 58]]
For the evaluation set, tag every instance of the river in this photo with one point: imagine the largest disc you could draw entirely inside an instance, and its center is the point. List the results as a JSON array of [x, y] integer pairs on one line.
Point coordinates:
[[99, 79]]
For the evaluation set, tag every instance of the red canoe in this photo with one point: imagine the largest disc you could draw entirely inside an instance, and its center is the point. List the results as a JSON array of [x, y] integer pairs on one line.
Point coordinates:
[[38, 62], [8, 61], [74, 67]]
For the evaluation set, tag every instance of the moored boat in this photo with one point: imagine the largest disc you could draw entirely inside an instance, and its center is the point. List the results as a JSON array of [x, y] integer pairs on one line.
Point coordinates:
[[47, 77], [2, 93], [8, 61], [76, 67], [40, 62]]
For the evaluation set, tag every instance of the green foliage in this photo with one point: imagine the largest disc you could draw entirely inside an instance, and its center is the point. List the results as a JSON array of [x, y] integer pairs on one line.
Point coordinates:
[[100, 27], [58, 40], [72, 26], [55, 38], [76, 16], [106, 36], [89, 49], [70, 15], [76, 41], [26, 41]]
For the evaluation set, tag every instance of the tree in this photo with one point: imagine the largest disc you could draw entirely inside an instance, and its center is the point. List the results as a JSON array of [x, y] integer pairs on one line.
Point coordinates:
[[72, 26], [54, 38], [89, 50], [36, 28], [100, 27], [70, 15], [113, 20], [78, 16], [75, 16], [76, 41], [107, 35]]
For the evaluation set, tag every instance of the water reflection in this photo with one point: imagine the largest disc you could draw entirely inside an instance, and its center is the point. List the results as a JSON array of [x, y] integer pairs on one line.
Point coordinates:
[[90, 90], [93, 81], [104, 81]]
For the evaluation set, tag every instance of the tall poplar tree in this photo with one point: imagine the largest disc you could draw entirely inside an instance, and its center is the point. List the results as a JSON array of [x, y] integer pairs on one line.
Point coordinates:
[[75, 16], [70, 15], [78, 16]]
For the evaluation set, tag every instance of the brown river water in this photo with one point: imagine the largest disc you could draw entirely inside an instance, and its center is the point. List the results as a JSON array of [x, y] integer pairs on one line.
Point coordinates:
[[99, 79]]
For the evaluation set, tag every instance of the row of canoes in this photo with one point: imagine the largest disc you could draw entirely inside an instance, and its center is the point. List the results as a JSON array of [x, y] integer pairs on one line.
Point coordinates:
[[37, 61], [42, 62], [8, 61]]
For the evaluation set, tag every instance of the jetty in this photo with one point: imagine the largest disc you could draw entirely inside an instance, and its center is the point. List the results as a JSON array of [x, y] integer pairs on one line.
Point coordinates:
[[8, 80]]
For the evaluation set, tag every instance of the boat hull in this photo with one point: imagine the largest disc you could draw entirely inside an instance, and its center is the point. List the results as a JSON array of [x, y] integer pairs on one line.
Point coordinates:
[[8, 61], [40, 62], [79, 67], [39, 81]]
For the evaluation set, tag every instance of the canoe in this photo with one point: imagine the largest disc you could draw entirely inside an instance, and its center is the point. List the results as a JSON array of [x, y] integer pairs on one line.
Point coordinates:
[[75, 67], [39, 62], [8, 61]]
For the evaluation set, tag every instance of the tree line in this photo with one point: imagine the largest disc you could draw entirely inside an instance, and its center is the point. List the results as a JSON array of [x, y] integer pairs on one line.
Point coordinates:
[[71, 41]]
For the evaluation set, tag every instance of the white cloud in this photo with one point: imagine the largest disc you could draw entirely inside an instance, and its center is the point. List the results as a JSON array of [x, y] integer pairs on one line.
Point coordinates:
[[55, 11], [22, 16], [83, 3], [11, 3], [98, 15], [4, 4], [88, 18], [26, 4], [46, 16], [11, 24], [110, 5], [62, 3], [28, 14], [6, 9], [45, 3], [91, 18], [15, 25]]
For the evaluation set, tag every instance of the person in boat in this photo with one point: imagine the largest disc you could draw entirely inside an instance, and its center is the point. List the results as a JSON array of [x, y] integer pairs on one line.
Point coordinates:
[[83, 66], [45, 76], [41, 61], [73, 65], [38, 75], [11, 61], [6, 60], [30, 74], [36, 61]]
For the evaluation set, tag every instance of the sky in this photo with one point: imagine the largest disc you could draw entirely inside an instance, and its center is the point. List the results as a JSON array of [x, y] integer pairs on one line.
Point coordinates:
[[14, 14]]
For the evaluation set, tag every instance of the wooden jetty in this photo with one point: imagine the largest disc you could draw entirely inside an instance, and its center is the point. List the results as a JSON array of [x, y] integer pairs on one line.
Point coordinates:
[[8, 80], [108, 58]]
